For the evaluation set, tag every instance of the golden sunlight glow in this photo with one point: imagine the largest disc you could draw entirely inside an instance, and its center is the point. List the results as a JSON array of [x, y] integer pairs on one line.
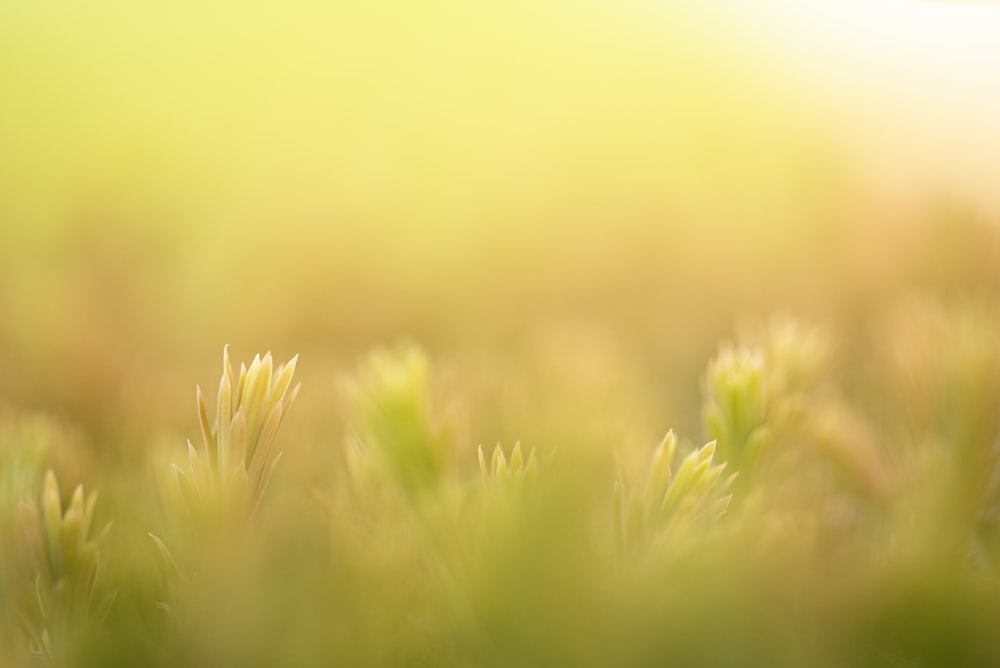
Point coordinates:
[[632, 333], [912, 87]]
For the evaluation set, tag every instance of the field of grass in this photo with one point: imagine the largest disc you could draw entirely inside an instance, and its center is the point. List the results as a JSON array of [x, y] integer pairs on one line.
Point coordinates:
[[601, 334]]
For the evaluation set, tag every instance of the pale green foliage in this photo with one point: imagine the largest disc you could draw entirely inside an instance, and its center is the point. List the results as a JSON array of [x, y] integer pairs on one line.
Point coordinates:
[[737, 404], [64, 555], [208, 532], [695, 495], [501, 471], [393, 419], [945, 362], [755, 391], [23, 446], [28, 444], [817, 504], [48, 561], [237, 458]]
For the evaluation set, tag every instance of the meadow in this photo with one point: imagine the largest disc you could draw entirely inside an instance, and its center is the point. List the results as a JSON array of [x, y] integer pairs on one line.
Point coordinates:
[[534, 334]]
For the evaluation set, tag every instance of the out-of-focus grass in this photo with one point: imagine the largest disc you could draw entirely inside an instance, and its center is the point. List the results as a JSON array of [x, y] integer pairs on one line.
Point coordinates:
[[599, 223]]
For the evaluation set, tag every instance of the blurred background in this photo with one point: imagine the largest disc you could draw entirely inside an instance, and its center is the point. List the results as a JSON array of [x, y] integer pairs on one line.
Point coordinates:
[[561, 199]]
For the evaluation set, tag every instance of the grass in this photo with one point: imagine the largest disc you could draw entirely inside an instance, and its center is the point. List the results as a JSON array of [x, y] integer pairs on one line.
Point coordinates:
[[817, 526], [631, 334]]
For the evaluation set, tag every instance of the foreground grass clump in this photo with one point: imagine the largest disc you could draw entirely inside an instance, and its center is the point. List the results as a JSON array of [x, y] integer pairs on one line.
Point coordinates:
[[829, 514]]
